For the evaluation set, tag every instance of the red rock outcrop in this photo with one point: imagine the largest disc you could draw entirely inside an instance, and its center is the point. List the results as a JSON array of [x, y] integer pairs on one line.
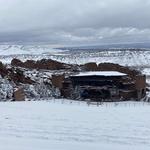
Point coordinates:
[[47, 64], [3, 70], [110, 67], [19, 94]]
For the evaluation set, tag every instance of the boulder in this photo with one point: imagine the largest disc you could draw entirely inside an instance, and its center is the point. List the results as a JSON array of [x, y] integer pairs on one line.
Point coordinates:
[[19, 94], [92, 66], [17, 63]]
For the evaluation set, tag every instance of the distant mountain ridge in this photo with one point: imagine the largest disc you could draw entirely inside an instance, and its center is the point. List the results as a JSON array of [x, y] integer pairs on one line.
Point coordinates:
[[110, 46]]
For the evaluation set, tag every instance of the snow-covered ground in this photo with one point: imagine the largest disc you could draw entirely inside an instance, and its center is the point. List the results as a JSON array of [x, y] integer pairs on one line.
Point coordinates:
[[24, 52], [128, 57], [27, 49], [49, 125]]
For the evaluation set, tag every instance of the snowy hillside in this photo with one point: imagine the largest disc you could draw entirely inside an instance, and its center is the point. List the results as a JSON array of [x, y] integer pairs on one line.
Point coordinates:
[[27, 49], [49, 125], [126, 57], [24, 52], [137, 58]]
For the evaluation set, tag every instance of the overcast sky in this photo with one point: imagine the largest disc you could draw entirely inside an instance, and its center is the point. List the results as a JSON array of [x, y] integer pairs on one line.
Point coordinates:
[[74, 22]]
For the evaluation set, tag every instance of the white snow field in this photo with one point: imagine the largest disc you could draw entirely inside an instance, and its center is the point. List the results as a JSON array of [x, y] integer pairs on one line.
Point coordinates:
[[27, 49], [126, 57], [24, 52], [49, 125]]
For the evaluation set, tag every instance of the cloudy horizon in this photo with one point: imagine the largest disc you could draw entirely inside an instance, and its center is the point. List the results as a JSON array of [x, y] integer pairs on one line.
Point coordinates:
[[74, 22]]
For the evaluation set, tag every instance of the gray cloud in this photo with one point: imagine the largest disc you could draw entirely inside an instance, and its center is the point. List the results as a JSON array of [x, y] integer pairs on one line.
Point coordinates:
[[74, 21]]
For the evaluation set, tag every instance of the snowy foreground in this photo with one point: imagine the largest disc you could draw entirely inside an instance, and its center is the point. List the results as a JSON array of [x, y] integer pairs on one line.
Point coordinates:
[[57, 125]]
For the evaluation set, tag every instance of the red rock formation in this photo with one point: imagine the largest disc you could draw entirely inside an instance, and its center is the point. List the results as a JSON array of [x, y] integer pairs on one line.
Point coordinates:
[[47, 64], [17, 62], [18, 77], [90, 66], [3, 70], [19, 94]]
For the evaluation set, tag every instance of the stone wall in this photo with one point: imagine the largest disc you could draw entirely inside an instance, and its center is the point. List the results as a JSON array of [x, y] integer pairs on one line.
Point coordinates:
[[57, 80], [140, 82]]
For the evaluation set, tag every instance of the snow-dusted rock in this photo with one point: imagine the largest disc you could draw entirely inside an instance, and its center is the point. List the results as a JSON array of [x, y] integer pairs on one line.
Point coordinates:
[[6, 89]]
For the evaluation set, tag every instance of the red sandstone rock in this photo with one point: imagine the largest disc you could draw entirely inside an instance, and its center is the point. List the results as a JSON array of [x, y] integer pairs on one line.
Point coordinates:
[[47, 64], [19, 94]]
